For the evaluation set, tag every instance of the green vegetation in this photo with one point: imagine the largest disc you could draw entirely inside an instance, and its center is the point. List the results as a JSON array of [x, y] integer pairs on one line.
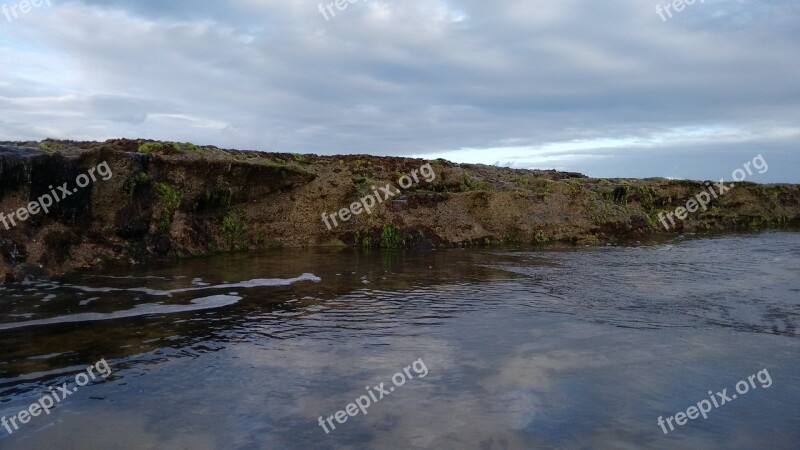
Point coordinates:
[[576, 185], [363, 184], [390, 237], [613, 194], [363, 168], [363, 238], [469, 185], [363, 175], [149, 147], [646, 195], [362, 165], [170, 202], [271, 164], [159, 147], [213, 198], [539, 186], [233, 230], [539, 237], [136, 184], [651, 216]]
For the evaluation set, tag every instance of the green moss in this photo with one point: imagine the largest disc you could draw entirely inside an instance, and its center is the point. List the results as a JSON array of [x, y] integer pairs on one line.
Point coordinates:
[[651, 216], [363, 184], [363, 238], [646, 195], [298, 157], [233, 230], [390, 237], [150, 147], [362, 164], [170, 201], [159, 147], [363, 173], [470, 185], [136, 184], [213, 198]]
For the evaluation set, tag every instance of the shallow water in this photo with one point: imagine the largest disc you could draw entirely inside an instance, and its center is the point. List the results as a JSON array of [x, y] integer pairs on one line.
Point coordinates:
[[545, 348]]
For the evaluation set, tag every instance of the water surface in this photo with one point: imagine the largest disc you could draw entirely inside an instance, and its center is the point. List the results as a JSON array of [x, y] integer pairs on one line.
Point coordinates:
[[524, 348]]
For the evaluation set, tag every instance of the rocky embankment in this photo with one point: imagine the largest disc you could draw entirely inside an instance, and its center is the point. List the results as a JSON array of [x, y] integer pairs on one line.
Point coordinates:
[[172, 200]]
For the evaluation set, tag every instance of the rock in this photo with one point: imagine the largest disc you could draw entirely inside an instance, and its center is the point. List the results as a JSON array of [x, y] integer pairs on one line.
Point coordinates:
[[166, 200]]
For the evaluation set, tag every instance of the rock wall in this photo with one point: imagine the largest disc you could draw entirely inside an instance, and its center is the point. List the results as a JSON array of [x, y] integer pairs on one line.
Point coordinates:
[[172, 200]]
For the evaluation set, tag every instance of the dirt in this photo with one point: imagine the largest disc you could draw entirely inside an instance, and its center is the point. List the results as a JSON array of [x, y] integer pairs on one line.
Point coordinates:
[[175, 200]]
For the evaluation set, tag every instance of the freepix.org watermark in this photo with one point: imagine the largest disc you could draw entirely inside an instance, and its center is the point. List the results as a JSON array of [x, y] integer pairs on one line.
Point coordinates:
[[720, 398], [46, 201], [678, 5], [368, 202], [376, 393], [715, 190], [340, 5], [24, 7], [48, 401]]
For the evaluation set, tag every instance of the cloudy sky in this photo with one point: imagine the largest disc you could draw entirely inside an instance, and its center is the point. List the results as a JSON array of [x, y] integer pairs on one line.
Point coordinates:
[[606, 88]]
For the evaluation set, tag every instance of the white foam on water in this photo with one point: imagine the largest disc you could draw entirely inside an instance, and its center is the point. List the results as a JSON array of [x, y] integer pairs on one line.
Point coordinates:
[[258, 282], [214, 301]]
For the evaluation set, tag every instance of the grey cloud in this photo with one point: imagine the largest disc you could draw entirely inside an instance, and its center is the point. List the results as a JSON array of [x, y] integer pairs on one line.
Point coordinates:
[[411, 77]]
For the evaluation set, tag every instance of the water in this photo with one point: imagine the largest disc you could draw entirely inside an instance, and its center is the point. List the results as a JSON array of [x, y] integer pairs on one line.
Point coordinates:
[[543, 348]]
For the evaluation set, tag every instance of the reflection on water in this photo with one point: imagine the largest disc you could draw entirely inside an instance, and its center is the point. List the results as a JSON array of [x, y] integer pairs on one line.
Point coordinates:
[[544, 348]]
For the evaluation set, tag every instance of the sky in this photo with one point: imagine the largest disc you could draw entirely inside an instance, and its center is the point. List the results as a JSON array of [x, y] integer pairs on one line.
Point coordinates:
[[609, 89]]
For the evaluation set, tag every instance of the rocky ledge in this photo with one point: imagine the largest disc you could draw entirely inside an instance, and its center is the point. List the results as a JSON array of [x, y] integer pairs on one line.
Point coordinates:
[[173, 200]]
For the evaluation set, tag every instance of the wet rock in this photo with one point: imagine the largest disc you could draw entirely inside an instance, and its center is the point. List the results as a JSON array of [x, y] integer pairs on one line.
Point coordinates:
[[163, 245]]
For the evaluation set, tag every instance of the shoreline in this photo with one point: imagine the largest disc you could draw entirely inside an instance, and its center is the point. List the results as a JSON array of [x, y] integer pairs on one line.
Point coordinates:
[[167, 201]]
